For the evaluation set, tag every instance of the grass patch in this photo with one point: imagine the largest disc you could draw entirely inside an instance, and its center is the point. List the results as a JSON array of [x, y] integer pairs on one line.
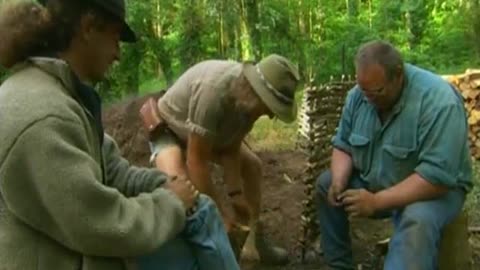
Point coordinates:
[[273, 134], [152, 85]]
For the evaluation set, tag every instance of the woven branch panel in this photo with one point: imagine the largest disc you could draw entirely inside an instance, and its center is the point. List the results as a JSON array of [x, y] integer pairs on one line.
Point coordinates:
[[318, 118]]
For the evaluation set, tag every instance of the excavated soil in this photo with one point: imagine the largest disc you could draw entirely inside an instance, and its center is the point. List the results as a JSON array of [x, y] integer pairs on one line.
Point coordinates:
[[283, 192]]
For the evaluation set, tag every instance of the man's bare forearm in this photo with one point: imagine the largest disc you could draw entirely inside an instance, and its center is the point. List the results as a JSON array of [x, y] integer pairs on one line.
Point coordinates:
[[341, 166], [413, 189]]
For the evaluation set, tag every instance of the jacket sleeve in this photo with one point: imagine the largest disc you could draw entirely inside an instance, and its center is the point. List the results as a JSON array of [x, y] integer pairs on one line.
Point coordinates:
[[50, 182], [443, 137], [129, 180]]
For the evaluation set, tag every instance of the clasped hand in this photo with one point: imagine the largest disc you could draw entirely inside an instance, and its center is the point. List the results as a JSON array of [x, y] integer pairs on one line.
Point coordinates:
[[185, 191], [357, 202]]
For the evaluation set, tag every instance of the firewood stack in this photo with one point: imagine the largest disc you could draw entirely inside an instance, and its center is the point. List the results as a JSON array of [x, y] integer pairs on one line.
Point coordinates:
[[469, 85], [318, 119]]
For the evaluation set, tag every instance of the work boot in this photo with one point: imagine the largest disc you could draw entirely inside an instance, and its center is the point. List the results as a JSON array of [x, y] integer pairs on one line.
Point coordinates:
[[257, 247], [268, 253]]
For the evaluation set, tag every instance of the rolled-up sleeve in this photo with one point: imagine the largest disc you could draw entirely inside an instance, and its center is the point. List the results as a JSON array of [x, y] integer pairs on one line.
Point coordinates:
[[443, 135], [340, 140], [204, 110]]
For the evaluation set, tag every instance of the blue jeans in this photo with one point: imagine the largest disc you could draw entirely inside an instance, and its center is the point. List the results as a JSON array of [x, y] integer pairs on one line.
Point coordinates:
[[418, 227], [202, 245]]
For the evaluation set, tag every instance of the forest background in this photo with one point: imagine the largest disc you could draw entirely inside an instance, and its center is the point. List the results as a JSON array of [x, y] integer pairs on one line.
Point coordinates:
[[320, 35]]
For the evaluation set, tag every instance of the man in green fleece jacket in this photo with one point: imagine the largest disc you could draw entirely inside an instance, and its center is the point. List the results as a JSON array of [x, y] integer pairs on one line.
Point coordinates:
[[68, 200]]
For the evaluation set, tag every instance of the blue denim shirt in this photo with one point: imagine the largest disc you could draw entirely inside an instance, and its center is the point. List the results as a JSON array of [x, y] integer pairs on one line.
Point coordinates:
[[426, 133]]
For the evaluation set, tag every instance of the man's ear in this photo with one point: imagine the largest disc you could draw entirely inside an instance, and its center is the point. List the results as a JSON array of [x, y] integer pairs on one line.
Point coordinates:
[[87, 26]]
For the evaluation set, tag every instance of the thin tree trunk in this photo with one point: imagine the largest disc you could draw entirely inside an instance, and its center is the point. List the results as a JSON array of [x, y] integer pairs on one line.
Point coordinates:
[[252, 23], [221, 29], [352, 7], [370, 14], [244, 35]]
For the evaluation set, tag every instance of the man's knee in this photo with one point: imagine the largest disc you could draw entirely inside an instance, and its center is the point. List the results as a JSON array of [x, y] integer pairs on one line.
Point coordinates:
[[417, 225], [323, 183], [416, 236], [205, 210], [205, 203], [421, 218]]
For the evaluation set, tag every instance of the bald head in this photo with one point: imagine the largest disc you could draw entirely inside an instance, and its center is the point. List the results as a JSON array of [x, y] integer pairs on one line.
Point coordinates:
[[380, 53], [379, 68]]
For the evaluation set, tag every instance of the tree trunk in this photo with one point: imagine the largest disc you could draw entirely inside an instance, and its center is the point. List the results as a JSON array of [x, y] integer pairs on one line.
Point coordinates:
[[415, 21], [352, 8], [244, 32], [221, 26], [253, 27], [134, 54], [191, 49]]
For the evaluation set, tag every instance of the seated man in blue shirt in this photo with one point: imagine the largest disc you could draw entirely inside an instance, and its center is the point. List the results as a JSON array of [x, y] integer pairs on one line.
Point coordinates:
[[402, 148]]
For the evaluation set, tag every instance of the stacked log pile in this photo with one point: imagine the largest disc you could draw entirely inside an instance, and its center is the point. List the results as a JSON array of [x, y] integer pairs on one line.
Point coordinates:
[[318, 119], [469, 85]]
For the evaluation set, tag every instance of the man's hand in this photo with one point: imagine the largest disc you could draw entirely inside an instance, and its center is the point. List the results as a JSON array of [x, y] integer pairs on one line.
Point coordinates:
[[334, 193], [184, 189], [359, 202]]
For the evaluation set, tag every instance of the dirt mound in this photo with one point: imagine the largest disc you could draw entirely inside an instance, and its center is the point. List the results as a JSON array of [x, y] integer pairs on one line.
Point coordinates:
[[122, 121]]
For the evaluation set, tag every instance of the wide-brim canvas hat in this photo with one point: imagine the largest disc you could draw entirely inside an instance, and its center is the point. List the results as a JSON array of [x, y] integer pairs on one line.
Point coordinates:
[[275, 80], [117, 9]]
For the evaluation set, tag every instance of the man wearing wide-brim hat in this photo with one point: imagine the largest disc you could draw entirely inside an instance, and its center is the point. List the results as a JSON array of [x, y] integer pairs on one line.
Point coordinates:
[[204, 117]]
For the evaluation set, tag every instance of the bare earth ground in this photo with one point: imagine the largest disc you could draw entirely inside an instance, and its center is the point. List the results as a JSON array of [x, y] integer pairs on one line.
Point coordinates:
[[281, 197]]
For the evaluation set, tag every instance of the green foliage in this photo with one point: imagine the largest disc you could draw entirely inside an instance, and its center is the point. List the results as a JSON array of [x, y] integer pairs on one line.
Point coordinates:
[[3, 74], [274, 134], [153, 85], [322, 36]]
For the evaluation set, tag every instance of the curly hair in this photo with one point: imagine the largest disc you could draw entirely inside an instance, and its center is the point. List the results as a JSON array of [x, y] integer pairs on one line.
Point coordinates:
[[29, 29], [23, 27]]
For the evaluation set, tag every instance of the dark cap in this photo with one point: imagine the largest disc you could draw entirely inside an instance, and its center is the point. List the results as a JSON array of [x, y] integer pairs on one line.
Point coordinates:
[[117, 9]]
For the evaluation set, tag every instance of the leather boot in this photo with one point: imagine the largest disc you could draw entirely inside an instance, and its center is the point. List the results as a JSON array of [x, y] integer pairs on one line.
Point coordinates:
[[257, 246]]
